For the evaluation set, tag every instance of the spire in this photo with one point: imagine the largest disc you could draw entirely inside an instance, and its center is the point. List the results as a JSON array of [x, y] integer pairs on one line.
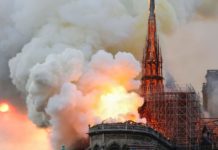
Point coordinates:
[[152, 7], [152, 79]]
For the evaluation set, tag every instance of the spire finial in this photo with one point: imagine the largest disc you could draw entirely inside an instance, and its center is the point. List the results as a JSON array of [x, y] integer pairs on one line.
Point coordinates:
[[152, 7]]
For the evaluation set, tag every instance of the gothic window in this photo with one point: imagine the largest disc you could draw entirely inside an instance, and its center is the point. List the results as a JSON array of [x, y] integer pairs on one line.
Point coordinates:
[[125, 147], [96, 147], [114, 146]]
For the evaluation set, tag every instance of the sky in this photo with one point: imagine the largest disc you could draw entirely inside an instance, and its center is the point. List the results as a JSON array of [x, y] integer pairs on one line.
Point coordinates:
[[50, 48], [191, 51]]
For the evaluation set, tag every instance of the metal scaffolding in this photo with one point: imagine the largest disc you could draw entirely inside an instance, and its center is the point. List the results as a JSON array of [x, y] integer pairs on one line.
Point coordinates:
[[176, 114]]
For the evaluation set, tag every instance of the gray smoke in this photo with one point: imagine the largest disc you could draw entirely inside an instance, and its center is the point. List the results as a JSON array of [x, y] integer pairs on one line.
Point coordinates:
[[22, 20], [170, 82], [208, 9], [48, 46]]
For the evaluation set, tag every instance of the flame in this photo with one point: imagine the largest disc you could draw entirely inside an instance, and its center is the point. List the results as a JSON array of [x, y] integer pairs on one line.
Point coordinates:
[[19, 130], [4, 107], [118, 104]]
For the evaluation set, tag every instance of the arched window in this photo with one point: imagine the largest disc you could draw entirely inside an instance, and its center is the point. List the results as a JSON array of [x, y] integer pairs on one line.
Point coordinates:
[[96, 147], [125, 147], [114, 146]]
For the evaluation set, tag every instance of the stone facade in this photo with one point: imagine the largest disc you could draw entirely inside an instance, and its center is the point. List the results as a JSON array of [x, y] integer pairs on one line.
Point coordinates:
[[209, 90], [126, 136]]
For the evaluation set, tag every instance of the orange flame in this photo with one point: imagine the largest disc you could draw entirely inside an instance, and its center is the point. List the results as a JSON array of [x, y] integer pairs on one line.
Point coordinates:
[[4, 107], [20, 131], [118, 104]]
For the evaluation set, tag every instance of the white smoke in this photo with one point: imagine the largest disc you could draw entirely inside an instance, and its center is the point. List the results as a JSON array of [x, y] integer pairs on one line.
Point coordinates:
[[169, 80], [70, 114], [64, 89], [46, 79], [42, 35], [43, 66], [209, 9], [185, 9]]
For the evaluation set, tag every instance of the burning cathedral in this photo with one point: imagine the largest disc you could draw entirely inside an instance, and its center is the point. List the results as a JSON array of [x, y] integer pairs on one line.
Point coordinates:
[[173, 114]]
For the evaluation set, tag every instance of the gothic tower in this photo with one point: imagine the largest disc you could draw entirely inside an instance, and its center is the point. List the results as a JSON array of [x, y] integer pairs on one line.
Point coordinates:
[[175, 114], [152, 79]]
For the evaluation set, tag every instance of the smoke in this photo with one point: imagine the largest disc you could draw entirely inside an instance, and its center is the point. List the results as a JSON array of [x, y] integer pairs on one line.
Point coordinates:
[[184, 10], [209, 9], [69, 93], [70, 114], [169, 81], [55, 62], [91, 25], [63, 91], [192, 50]]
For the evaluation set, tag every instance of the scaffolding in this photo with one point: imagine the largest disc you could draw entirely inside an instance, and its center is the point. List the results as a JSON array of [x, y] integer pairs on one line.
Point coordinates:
[[175, 114]]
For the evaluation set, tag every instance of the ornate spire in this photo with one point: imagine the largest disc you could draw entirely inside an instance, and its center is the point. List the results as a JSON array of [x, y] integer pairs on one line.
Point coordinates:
[[152, 7], [152, 80]]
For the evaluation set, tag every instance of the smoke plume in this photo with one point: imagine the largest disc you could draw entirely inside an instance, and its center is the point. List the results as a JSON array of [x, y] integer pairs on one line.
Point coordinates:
[[51, 52]]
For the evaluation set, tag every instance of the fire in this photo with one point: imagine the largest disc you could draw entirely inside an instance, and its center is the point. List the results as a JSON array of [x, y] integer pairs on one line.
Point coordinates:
[[4, 107], [118, 104], [19, 130]]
